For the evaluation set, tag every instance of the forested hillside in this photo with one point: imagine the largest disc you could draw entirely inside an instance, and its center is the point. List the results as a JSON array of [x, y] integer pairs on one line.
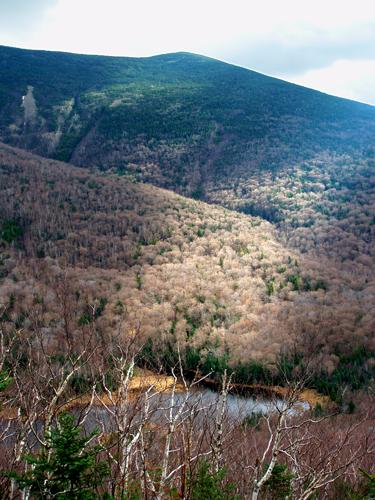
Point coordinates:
[[216, 283], [180, 121], [325, 207]]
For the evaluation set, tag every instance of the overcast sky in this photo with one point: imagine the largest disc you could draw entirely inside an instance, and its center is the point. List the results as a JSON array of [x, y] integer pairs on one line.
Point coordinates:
[[324, 44]]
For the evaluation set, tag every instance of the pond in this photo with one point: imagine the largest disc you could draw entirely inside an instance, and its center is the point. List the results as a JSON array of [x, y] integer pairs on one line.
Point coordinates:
[[238, 406], [203, 402]]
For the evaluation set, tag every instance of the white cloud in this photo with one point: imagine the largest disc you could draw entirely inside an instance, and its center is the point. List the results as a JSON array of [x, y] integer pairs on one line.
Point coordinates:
[[344, 78], [19, 18], [143, 27]]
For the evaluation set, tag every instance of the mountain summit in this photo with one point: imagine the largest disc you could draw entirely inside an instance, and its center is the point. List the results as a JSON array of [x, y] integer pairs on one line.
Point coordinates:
[[176, 120]]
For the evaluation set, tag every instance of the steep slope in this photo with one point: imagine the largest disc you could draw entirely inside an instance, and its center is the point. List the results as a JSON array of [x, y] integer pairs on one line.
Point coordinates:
[[324, 206], [178, 120], [78, 246]]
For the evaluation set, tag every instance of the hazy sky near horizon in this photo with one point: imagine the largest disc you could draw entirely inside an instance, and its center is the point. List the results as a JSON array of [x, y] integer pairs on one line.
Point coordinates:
[[328, 45]]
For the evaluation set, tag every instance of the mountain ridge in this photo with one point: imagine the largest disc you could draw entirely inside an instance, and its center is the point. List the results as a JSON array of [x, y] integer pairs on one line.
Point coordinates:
[[175, 125], [167, 55]]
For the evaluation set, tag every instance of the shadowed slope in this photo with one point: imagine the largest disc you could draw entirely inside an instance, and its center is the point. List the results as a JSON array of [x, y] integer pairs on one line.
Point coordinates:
[[176, 120]]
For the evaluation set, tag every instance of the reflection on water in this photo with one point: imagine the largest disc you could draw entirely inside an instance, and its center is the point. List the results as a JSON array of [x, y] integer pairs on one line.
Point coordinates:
[[238, 406], [204, 403]]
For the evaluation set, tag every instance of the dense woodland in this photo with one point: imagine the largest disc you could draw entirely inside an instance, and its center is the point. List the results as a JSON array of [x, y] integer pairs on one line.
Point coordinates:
[[213, 281], [178, 120], [324, 206]]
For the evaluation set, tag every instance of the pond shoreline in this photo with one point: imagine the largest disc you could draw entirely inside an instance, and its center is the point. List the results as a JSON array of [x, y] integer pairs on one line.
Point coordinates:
[[164, 384], [309, 396]]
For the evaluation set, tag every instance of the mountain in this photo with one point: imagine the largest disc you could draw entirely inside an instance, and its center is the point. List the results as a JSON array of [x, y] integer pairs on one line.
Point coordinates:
[[178, 272], [293, 273], [180, 121], [266, 278]]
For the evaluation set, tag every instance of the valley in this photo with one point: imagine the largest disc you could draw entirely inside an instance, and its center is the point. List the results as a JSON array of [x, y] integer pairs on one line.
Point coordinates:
[[221, 285]]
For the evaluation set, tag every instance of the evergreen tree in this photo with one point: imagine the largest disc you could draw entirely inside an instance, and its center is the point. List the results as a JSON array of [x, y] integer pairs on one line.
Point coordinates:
[[370, 485], [209, 485], [67, 467], [279, 484]]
